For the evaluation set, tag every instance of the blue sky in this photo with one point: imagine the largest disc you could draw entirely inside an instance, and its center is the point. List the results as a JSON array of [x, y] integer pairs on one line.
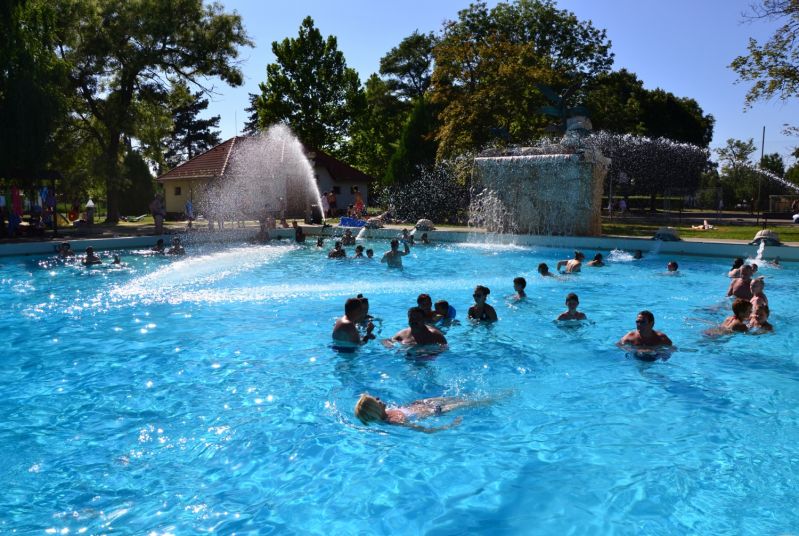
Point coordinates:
[[680, 46]]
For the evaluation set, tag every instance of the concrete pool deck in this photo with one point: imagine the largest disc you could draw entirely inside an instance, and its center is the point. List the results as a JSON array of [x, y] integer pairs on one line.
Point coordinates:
[[789, 252]]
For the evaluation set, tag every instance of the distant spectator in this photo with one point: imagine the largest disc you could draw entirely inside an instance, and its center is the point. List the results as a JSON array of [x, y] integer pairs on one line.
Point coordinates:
[[158, 211]]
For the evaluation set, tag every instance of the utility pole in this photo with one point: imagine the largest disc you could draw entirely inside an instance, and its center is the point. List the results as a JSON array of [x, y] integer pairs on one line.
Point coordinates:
[[760, 175]]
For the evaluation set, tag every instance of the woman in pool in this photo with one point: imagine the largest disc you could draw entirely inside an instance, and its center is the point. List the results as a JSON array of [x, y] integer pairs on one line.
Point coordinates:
[[481, 311], [371, 409]]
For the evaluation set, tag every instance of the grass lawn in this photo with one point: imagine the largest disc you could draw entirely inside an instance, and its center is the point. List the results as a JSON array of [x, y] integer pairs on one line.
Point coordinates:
[[787, 232]]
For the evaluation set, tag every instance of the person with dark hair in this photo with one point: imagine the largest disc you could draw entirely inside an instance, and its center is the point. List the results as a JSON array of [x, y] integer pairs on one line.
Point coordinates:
[[65, 250], [91, 258], [543, 269], [444, 313], [345, 331], [572, 301], [597, 262], [394, 257], [299, 234], [643, 336], [359, 252], [159, 246], [519, 284], [741, 309], [425, 303], [481, 311], [571, 266], [418, 332], [177, 248], [735, 271], [348, 239], [672, 266], [337, 252], [370, 253]]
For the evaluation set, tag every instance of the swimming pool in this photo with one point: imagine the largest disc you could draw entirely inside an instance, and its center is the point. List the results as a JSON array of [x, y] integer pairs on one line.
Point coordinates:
[[200, 394]]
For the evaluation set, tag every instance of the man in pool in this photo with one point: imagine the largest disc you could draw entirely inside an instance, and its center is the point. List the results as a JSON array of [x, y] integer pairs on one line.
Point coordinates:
[[740, 287], [543, 269], [177, 248], [337, 252], [597, 262], [359, 252], [345, 332], [417, 332], [394, 257], [643, 336], [572, 301], [672, 267], [91, 258], [370, 253], [571, 265], [741, 310], [519, 284], [425, 303]]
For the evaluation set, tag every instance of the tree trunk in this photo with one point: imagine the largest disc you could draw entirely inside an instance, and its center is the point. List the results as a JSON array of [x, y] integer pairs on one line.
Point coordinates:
[[111, 168]]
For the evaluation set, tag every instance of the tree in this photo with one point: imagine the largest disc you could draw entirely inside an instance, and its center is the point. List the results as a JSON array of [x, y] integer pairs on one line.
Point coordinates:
[[32, 99], [311, 89], [738, 178], [488, 65], [189, 135], [375, 132], [773, 67], [124, 53], [251, 123], [417, 147], [408, 66], [773, 163]]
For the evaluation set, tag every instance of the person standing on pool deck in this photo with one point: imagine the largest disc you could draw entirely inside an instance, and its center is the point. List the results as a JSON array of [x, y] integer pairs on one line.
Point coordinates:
[[572, 265], [418, 332], [481, 311], [346, 330], [394, 257], [643, 336]]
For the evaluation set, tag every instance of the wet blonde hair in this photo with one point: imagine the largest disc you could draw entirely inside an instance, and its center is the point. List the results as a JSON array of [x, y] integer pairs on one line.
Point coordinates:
[[366, 408]]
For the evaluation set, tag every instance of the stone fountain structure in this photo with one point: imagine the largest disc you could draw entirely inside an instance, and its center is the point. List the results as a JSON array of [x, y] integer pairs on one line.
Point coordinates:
[[554, 189]]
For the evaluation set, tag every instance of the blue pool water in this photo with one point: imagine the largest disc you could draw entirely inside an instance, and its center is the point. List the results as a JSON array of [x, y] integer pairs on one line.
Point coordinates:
[[200, 394]]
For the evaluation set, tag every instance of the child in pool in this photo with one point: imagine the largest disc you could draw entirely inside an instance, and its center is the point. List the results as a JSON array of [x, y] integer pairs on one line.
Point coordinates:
[[370, 409]]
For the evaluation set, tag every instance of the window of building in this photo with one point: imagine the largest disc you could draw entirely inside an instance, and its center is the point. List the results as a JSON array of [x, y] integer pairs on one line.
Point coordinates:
[[177, 190]]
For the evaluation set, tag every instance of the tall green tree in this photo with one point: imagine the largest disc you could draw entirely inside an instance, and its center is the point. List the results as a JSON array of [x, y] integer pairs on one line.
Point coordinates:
[[375, 132], [408, 66], [488, 64], [124, 53], [738, 180], [417, 147], [773, 163], [190, 135], [32, 80], [772, 68], [311, 89]]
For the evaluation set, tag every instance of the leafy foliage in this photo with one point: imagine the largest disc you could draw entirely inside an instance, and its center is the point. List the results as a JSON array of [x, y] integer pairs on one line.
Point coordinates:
[[417, 148], [311, 89], [408, 66], [189, 135]]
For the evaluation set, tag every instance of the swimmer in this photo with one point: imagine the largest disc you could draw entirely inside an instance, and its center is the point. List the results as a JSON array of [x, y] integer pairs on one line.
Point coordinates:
[[424, 239], [740, 287], [320, 242], [348, 239], [638, 255], [345, 331], [159, 246], [572, 301], [741, 310], [597, 262], [299, 234], [91, 258], [359, 252], [735, 271], [176, 248], [672, 267], [643, 336], [407, 237], [337, 252], [758, 299], [425, 303], [370, 253], [417, 332], [571, 265], [117, 262], [543, 269], [519, 284], [444, 313], [65, 250], [394, 257], [481, 311], [366, 318], [371, 409], [758, 322]]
